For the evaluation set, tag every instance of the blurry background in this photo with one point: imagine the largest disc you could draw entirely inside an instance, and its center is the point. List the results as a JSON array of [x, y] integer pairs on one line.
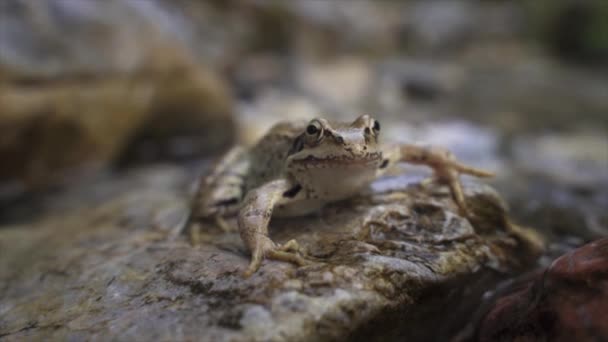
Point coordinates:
[[90, 89]]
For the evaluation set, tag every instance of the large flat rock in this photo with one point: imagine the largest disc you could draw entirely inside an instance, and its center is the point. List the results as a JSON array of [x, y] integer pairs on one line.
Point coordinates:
[[103, 263]]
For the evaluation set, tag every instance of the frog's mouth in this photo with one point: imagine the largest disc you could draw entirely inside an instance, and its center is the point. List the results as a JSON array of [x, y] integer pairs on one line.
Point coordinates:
[[369, 159]]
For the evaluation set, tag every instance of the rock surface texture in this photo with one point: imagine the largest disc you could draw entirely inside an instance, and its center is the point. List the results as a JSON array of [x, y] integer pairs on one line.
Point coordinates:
[[384, 265]]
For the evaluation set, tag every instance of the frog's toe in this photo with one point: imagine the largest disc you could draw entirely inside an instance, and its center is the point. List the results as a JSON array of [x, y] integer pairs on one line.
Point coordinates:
[[261, 250], [290, 246], [254, 265], [288, 252], [287, 257], [473, 171]]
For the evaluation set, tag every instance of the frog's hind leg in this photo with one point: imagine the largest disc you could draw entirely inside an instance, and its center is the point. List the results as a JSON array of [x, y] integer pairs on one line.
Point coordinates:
[[221, 192], [447, 169]]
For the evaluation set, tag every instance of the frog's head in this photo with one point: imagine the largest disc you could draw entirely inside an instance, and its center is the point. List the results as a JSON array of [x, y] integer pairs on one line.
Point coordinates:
[[336, 151]]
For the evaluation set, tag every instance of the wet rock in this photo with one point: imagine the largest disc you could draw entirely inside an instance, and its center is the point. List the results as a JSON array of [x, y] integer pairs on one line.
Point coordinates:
[[567, 302], [79, 81], [104, 263]]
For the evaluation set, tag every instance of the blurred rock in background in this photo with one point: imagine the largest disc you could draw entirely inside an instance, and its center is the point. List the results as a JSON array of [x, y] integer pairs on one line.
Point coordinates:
[[84, 83]]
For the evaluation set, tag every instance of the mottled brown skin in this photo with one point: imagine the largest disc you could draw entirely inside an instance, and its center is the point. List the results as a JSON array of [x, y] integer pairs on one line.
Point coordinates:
[[298, 167]]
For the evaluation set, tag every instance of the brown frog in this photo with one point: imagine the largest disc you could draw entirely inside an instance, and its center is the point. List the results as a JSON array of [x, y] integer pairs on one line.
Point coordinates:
[[298, 167]]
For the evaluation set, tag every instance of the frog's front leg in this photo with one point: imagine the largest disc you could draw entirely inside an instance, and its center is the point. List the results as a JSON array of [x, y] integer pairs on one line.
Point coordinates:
[[447, 169], [253, 220]]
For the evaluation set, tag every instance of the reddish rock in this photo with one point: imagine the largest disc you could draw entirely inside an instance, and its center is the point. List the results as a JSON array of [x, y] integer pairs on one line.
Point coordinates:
[[567, 302]]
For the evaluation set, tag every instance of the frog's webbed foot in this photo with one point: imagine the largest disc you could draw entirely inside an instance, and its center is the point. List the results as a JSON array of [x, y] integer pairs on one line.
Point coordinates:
[[267, 249]]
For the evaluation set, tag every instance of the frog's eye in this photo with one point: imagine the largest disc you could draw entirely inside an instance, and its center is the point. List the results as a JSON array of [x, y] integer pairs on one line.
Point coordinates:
[[315, 129], [312, 129], [376, 126]]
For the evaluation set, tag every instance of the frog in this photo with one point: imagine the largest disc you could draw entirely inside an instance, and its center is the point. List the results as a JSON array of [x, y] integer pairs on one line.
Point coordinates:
[[298, 167]]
